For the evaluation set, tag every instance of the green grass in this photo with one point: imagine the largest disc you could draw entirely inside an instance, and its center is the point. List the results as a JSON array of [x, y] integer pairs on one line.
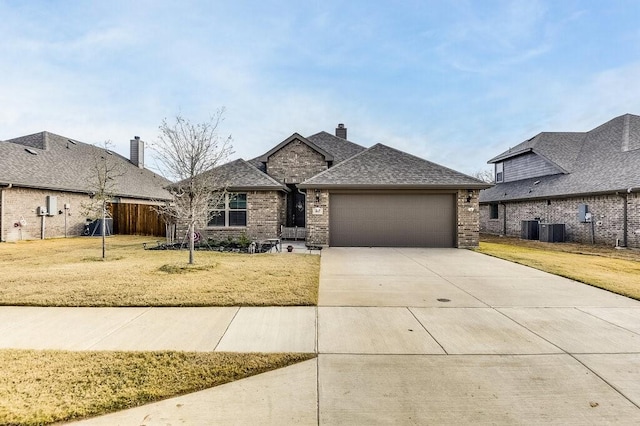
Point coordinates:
[[70, 272], [41, 387], [604, 267]]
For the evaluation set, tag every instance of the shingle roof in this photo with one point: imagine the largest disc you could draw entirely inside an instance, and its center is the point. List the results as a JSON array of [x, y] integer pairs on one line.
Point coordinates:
[[383, 167], [240, 175], [60, 163], [605, 159], [341, 149]]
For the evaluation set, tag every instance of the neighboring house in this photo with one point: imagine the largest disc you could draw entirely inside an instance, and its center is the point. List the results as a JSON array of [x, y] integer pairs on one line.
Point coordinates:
[[331, 191], [46, 179], [588, 181]]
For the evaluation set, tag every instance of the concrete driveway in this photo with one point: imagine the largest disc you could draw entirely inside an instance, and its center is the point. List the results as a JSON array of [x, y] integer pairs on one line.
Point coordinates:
[[429, 336], [404, 336]]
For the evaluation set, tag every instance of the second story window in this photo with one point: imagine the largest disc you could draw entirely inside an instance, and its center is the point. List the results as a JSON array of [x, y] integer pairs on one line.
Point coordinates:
[[499, 172]]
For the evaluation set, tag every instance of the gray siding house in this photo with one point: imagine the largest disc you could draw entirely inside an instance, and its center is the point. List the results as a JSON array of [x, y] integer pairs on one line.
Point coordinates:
[[330, 191], [559, 177]]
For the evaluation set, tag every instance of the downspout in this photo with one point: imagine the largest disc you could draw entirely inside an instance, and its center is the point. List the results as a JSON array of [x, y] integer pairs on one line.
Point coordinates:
[[504, 219], [625, 215], [7, 186]]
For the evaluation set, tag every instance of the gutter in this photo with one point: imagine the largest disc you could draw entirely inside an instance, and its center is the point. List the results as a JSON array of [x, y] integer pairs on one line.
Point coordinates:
[[557, 196], [394, 186]]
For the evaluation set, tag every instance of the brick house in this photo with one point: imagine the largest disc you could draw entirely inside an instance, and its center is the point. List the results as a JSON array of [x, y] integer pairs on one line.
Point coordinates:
[[587, 181], [45, 179], [330, 191]]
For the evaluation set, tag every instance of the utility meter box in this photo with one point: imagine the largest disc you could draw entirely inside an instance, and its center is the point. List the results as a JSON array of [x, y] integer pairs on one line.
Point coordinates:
[[583, 213], [52, 205], [42, 211]]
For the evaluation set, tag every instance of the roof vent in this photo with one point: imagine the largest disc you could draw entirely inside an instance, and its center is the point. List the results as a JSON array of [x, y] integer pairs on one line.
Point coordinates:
[[341, 131], [31, 151]]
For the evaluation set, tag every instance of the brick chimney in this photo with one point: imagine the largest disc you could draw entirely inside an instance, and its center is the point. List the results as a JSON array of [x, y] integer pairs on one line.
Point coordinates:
[[341, 131], [137, 152]]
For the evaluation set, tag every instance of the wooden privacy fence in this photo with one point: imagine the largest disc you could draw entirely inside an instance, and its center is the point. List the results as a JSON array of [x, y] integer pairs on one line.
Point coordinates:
[[137, 219]]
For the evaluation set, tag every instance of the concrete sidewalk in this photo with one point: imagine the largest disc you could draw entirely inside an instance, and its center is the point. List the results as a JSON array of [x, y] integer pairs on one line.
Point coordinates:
[[404, 336], [272, 329]]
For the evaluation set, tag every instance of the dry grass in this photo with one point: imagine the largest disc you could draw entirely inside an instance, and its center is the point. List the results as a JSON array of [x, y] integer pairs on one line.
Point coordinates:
[[40, 387], [69, 272], [604, 267]]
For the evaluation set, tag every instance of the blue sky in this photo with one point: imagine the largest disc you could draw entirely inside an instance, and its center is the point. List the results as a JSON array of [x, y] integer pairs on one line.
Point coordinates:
[[455, 82]]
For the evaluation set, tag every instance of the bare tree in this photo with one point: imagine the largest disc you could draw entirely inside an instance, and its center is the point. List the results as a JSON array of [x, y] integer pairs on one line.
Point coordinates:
[[187, 153], [485, 175], [103, 178]]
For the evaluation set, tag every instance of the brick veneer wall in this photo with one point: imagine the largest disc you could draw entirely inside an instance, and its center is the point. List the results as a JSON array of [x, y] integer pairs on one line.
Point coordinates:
[[607, 211], [295, 163], [468, 219], [317, 224], [22, 203], [264, 218]]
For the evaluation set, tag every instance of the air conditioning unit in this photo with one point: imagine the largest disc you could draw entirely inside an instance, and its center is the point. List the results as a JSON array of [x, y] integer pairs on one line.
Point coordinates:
[[529, 229], [552, 232]]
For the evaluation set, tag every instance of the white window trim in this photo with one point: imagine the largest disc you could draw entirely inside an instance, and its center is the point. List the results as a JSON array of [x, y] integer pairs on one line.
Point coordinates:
[[499, 170]]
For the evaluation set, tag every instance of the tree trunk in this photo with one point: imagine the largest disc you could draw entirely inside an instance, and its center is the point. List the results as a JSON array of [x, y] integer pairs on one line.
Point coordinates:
[[192, 229], [103, 226]]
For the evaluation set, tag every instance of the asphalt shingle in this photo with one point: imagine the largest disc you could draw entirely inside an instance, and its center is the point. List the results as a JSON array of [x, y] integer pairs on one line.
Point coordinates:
[[341, 149], [381, 166], [603, 160], [49, 161], [241, 175]]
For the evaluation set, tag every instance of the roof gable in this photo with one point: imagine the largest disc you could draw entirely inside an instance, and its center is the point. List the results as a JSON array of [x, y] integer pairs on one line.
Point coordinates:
[[382, 166], [559, 148], [240, 175], [60, 163], [296, 136]]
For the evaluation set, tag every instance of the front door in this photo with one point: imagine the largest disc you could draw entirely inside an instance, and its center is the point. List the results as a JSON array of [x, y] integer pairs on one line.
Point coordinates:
[[295, 207]]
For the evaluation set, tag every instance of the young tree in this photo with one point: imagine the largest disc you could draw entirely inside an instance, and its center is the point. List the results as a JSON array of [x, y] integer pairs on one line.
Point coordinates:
[[485, 175], [187, 153], [104, 175]]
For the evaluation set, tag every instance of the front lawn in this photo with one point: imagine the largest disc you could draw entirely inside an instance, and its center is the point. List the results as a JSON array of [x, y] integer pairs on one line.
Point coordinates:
[[604, 267], [70, 272], [40, 387]]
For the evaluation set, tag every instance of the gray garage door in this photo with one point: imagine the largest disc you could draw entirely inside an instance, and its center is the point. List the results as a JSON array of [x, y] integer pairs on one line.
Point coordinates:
[[392, 220]]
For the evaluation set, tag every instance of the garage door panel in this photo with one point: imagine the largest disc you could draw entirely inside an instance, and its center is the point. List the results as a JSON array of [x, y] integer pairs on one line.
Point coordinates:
[[392, 220]]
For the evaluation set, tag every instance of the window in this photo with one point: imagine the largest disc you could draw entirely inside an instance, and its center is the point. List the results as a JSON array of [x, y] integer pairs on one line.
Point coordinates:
[[499, 172], [493, 211], [230, 211]]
